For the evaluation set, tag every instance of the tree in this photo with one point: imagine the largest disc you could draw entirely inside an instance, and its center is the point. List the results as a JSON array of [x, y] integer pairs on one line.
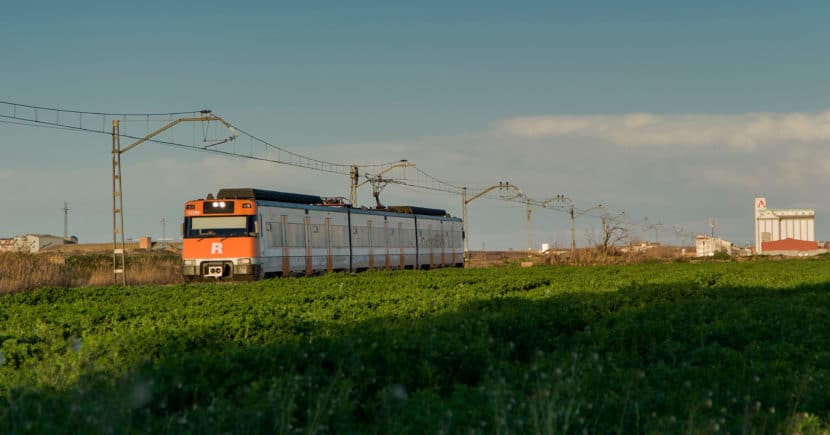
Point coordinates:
[[613, 231]]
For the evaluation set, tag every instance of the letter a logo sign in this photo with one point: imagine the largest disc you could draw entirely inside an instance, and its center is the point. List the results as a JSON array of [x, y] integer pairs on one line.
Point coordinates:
[[761, 203], [216, 248]]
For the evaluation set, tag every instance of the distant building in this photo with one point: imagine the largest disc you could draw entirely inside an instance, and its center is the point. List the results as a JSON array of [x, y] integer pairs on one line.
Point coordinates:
[[33, 243], [780, 224], [793, 247], [638, 247], [706, 246]]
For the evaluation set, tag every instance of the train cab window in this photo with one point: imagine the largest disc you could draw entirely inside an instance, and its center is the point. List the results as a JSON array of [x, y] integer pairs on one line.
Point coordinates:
[[219, 226]]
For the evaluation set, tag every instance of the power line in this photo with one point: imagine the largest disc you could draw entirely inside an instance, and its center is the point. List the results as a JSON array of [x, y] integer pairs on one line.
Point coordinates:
[[52, 119], [74, 120], [426, 182], [54, 109]]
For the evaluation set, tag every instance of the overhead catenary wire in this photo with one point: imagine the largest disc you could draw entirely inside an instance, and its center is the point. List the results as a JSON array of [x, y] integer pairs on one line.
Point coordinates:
[[340, 168], [64, 119], [83, 112], [294, 159]]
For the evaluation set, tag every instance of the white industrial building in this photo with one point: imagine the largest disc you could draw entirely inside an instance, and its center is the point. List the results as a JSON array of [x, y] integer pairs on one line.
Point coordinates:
[[780, 224], [706, 246], [33, 243]]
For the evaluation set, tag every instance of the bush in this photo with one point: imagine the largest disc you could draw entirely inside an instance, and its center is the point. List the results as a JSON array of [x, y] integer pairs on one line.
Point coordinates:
[[722, 255]]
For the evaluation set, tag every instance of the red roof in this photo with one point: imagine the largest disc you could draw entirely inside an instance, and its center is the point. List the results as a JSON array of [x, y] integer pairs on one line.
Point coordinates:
[[789, 245]]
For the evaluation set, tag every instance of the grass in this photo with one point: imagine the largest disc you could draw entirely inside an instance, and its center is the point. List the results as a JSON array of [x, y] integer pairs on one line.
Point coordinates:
[[21, 272], [651, 348]]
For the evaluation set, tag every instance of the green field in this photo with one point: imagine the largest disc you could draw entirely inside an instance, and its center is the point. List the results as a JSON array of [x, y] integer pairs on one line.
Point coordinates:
[[654, 348]]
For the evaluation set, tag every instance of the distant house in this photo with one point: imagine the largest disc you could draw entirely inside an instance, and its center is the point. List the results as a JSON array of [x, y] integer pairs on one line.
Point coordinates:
[[33, 243], [706, 246], [792, 247], [7, 245]]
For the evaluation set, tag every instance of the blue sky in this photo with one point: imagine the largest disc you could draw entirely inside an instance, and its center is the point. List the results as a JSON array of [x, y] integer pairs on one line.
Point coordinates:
[[370, 81]]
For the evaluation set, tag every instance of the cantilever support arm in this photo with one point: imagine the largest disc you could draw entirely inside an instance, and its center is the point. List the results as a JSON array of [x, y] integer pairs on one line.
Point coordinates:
[[465, 201], [401, 164], [353, 185], [208, 117], [491, 188]]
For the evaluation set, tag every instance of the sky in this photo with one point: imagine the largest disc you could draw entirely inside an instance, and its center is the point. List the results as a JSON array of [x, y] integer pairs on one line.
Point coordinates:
[[677, 114]]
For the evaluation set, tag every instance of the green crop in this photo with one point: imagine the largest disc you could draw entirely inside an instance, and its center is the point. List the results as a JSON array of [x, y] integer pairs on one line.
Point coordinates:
[[654, 348]]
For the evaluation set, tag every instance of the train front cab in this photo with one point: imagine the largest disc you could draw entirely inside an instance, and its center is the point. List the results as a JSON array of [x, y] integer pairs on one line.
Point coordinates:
[[220, 240]]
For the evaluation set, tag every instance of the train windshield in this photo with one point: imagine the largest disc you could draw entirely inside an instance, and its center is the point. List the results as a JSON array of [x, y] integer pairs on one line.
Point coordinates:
[[219, 226]]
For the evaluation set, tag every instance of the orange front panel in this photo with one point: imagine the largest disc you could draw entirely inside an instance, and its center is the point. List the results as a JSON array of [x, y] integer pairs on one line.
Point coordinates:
[[219, 247], [241, 207]]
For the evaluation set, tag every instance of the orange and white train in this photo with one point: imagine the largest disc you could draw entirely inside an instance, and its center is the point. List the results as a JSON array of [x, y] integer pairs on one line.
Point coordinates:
[[246, 233]]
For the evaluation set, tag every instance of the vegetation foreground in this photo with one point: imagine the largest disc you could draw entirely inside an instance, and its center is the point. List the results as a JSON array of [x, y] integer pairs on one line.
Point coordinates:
[[654, 348]]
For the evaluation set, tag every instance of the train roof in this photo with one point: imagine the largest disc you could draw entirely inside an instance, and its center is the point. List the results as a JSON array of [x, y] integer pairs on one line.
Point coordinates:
[[411, 209], [299, 198], [268, 195]]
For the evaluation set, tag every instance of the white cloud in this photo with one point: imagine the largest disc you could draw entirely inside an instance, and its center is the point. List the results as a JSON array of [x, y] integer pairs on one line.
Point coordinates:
[[745, 131]]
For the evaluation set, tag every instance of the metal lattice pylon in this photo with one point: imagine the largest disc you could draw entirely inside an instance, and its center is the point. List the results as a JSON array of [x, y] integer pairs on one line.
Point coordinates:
[[119, 261]]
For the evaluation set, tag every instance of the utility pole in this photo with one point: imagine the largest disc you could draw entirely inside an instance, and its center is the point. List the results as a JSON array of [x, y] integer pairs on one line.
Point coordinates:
[[558, 199], [573, 231], [503, 185], [65, 221], [354, 178], [119, 268], [678, 234], [529, 234], [603, 216], [119, 262], [573, 223], [163, 229], [655, 227], [464, 222]]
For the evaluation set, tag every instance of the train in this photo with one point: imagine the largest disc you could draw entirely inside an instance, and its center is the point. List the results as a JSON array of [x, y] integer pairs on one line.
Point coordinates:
[[249, 234]]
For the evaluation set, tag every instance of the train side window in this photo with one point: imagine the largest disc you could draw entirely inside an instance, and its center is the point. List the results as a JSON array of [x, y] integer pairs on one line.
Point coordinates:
[[295, 235], [394, 238], [338, 236], [378, 237], [319, 237], [276, 234], [360, 236]]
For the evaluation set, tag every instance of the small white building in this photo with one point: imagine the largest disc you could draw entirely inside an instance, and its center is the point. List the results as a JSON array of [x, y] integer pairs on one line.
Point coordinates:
[[32, 243], [706, 246], [780, 224]]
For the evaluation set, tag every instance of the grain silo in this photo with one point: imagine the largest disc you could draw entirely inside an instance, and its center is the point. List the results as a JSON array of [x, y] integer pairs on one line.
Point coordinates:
[[781, 224]]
